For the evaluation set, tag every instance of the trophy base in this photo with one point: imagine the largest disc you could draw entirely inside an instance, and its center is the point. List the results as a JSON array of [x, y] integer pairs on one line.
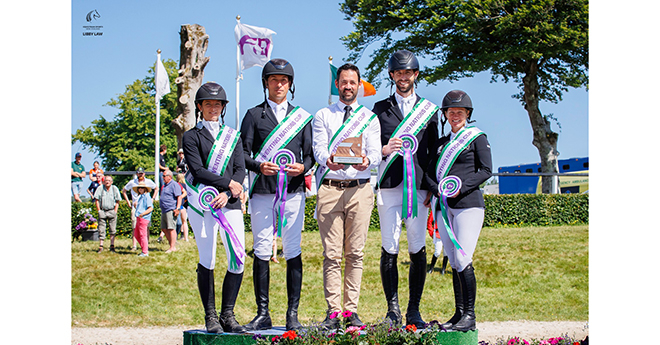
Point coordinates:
[[347, 160]]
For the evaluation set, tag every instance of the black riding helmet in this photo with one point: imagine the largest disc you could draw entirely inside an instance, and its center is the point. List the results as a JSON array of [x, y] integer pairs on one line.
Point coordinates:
[[278, 66], [456, 99], [401, 60], [211, 91]]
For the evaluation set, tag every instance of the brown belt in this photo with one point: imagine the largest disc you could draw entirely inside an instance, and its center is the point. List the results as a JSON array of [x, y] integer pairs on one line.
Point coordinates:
[[343, 184]]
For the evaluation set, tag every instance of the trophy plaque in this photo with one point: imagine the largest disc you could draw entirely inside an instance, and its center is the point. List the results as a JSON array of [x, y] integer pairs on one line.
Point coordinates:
[[349, 151]]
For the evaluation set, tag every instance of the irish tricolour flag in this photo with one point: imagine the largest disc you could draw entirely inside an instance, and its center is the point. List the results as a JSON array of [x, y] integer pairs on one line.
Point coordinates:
[[366, 89]]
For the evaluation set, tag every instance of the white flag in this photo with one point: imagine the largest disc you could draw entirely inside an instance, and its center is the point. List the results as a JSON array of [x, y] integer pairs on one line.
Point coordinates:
[[254, 45], [162, 80]]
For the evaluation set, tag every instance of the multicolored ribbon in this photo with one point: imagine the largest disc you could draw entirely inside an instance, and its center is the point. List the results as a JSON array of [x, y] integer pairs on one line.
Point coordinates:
[[236, 248], [281, 158], [449, 187], [408, 149]]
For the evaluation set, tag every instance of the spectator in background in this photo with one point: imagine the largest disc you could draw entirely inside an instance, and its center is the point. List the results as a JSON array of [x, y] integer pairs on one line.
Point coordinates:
[[182, 220], [77, 175], [107, 203], [182, 165], [143, 210], [170, 205], [96, 176], [94, 185], [140, 178], [162, 165]]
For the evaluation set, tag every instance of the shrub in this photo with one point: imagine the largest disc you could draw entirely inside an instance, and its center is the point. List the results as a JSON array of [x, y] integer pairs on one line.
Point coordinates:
[[501, 210]]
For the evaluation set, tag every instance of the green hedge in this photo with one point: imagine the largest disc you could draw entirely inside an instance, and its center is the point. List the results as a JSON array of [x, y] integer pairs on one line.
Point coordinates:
[[501, 210]]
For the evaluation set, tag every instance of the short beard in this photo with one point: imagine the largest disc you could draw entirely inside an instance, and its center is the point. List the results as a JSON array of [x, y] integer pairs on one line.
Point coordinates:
[[345, 100], [412, 85]]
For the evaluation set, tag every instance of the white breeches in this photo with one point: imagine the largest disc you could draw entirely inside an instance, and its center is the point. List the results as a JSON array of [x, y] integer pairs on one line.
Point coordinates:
[[467, 223], [390, 203], [206, 246], [262, 224]]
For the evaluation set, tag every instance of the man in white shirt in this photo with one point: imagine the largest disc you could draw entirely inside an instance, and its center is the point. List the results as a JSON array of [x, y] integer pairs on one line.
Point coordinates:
[[345, 197]]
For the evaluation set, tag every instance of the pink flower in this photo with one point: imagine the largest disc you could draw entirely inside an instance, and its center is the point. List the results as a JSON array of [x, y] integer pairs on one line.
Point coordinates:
[[346, 313], [353, 329], [334, 314]]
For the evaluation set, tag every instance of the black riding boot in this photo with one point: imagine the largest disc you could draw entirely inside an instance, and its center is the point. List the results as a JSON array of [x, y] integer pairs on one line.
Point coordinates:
[[261, 279], [206, 287], [443, 269], [416, 279], [432, 264], [458, 301], [294, 271], [469, 286], [389, 276], [230, 287]]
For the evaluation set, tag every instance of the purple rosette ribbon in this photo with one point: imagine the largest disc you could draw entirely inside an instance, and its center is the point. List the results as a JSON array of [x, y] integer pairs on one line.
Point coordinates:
[[408, 148], [236, 248], [281, 158], [449, 187]]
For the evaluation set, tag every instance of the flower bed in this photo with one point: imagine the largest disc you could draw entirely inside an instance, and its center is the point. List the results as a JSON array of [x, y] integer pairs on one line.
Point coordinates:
[[385, 334]]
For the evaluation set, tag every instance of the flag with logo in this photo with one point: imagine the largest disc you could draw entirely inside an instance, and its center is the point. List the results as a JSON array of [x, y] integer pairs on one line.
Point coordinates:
[[365, 89], [162, 80], [255, 45]]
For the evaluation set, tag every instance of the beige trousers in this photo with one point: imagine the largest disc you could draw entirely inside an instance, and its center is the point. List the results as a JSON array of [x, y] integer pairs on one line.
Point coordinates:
[[343, 216]]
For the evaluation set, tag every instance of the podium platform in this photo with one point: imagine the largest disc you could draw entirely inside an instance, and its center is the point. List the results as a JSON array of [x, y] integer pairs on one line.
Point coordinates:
[[201, 337]]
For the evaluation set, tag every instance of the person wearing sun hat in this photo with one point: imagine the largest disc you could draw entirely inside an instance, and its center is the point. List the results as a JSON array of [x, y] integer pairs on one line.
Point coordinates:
[[143, 210], [139, 178]]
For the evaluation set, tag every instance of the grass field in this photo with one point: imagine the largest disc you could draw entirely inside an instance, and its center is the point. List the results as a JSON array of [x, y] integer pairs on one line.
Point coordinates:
[[530, 273]]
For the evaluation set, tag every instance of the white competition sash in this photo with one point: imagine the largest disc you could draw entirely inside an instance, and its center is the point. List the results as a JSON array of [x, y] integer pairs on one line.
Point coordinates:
[[216, 162], [449, 186], [353, 127], [418, 117], [279, 137]]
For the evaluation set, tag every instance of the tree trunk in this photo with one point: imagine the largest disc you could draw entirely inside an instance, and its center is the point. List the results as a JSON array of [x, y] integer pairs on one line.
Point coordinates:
[[194, 42], [545, 139]]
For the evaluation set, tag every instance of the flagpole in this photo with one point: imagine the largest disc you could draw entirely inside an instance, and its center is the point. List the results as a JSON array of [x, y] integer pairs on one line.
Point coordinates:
[[330, 85], [157, 152], [238, 78]]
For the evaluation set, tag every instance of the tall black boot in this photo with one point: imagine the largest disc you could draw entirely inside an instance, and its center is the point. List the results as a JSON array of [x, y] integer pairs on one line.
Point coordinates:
[[294, 272], [230, 288], [261, 279], [389, 276], [469, 286], [206, 287], [458, 301], [416, 279], [432, 264], [443, 269]]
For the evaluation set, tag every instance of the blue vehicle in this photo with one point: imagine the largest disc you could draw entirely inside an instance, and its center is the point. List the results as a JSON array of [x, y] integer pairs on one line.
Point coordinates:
[[532, 184]]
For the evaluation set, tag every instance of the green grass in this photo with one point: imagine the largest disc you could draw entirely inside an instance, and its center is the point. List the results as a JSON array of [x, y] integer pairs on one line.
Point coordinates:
[[530, 273]]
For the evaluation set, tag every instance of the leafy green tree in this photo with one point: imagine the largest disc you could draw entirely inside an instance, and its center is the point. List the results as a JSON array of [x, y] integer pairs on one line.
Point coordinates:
[[540, 44], [128, 140]]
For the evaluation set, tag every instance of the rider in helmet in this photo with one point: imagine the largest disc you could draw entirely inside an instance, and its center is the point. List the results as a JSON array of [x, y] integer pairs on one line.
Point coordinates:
[[404, 106], [470, 161], [199, 143], [276, 118]]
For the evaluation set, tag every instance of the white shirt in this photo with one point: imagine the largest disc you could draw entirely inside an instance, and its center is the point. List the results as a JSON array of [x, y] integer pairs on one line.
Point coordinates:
[[213, 127], [405, 104], [326, 123], [279, 109]]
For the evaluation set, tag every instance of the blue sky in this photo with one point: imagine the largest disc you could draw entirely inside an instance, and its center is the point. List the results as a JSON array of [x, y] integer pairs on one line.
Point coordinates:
[[308, 33]]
